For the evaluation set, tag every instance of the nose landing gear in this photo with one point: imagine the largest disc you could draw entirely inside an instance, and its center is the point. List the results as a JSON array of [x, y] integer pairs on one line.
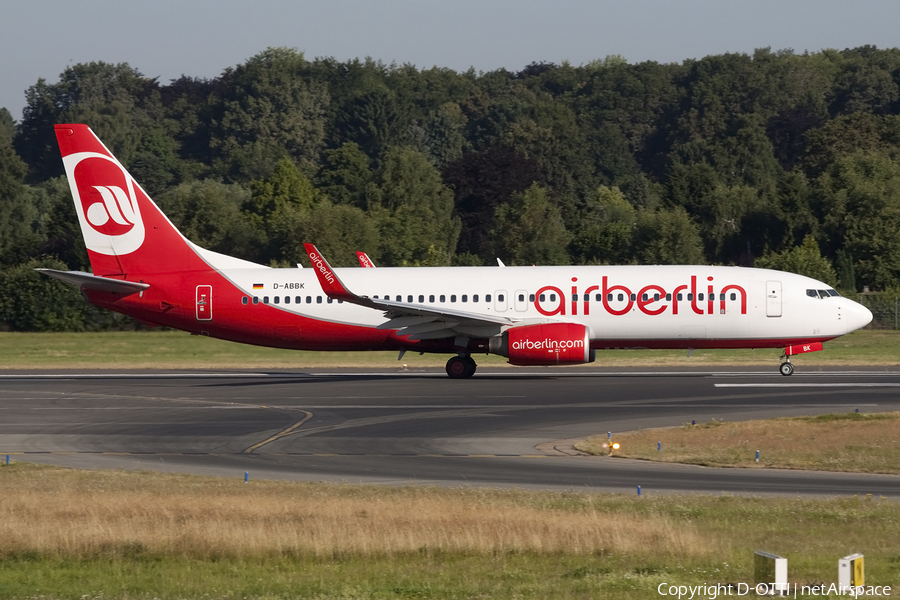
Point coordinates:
[[786, 367], [461, 367]]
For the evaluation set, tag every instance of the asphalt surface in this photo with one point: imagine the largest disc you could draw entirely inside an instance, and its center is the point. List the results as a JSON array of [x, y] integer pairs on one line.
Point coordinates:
[[502, 428]]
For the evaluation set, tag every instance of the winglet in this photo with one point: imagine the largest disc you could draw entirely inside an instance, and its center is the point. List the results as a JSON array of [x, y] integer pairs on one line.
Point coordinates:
[[328, 279], [364, 260]]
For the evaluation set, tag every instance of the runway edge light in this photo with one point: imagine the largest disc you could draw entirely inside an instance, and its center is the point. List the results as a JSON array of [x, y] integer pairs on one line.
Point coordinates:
[[851, 572]]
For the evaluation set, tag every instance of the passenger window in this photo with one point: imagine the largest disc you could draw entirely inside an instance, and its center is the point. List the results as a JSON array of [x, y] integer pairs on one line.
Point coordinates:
[[255, 300], [421, 298], [644, 297], [531, 297], [574, 297], [621, 297], [398, 298], [655, 297], [265, 299], [679, 297], [633, 297], [443, 298], [298, 299], [475, 298], [318, 299], [465, 298], [598, 297], [668, 297], [330, 300], [287, 299], [521, 297], [309, 299], [552, 298], [609, 297], [409, 298], [700, 297], [452, 297], [733, 296], [277, 300], [431, 298], [543, 297], [244, 300], [487, 298], [500, 297]]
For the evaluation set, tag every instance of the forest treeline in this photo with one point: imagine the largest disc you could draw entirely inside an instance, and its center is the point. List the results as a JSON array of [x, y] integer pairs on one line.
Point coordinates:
[[773, 159]]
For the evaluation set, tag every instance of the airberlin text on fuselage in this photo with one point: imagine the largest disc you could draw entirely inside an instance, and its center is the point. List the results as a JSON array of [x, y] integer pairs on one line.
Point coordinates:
[[651, 299], [320, 265]]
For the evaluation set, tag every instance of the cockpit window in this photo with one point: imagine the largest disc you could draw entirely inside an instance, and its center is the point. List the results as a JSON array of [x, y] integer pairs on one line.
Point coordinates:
[[822, 293]]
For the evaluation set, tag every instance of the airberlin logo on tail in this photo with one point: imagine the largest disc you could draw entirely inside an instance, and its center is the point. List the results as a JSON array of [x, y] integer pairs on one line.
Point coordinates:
[[107, 204], [319, 263]]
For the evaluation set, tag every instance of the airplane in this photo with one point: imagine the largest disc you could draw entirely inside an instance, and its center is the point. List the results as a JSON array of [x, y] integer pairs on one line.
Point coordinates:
[[535, 315]]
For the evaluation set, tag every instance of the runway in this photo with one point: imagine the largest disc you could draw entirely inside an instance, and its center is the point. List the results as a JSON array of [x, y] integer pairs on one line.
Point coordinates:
[[502, 428]]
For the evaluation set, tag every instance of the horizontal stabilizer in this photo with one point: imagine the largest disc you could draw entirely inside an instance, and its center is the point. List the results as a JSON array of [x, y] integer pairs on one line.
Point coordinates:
[[93, 282]]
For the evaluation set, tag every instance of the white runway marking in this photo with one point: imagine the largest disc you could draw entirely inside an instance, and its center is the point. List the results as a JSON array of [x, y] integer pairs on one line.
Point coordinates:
[[805, 385]]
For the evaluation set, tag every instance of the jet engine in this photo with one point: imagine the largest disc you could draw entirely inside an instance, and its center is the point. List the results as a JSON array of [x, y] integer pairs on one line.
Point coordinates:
[[545, 344]]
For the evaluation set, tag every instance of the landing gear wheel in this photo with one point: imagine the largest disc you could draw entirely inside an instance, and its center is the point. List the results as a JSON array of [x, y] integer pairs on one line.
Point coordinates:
[[460, 367], [786, 368], [470, 362]]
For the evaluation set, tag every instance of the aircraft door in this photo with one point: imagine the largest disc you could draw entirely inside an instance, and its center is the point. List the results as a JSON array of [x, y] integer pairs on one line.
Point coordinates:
[[500, 301], [773, 298], [203, 302], [521, 300]]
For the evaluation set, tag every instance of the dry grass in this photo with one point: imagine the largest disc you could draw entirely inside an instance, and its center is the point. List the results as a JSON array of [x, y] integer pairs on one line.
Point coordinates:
[[845, 442], [70, 514]]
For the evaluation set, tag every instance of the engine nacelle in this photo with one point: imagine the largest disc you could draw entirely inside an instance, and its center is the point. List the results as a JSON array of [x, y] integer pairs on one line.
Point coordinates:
[[545, 344]]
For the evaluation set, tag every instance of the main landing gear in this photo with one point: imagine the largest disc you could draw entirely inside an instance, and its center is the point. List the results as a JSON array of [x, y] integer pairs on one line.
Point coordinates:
[[461, 367]]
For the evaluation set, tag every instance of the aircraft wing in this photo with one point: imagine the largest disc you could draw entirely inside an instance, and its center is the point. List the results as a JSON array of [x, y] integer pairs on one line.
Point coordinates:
[[418, 321], [94, 282]]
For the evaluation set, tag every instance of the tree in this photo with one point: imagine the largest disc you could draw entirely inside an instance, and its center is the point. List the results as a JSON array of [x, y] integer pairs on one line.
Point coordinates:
[[606, 229], [860, 212], [482, 181], [667, 237], [345, 175], [270, 111], [805, 259], [414, 210], [208, 213], [529, 230]]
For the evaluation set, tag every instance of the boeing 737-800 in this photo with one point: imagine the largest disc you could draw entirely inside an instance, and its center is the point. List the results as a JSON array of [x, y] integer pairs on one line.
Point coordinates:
[[144, 267]]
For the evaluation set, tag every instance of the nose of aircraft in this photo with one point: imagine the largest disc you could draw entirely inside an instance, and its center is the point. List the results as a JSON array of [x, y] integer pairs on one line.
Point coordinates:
[[856, 316]]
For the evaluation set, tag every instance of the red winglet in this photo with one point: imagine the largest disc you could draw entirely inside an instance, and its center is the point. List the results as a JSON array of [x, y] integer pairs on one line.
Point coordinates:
[[364, 260], [328, 279]]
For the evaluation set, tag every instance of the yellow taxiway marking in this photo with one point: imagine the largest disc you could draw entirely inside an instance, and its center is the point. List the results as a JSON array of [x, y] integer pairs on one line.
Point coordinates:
[[281, 434]]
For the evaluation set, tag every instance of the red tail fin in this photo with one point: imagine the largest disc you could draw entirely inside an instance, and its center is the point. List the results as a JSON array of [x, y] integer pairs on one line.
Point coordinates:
[[125, 232]]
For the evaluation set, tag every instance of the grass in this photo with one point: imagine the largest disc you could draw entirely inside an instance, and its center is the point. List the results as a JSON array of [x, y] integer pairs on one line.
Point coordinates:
[[853, 442], [109, 534], [171, 349]]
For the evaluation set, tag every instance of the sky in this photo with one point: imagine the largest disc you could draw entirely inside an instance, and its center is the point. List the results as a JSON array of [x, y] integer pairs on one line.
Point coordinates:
[[201, 38]]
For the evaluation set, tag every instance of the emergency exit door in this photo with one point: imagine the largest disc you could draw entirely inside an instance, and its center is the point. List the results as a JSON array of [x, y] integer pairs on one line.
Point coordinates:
[[773, 298], [204, 303]]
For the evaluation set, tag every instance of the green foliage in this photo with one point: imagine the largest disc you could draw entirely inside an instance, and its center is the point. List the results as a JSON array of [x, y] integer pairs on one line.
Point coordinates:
[[413, 209], [30, 301], [804, 259], [726, 159], [529, 230]]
